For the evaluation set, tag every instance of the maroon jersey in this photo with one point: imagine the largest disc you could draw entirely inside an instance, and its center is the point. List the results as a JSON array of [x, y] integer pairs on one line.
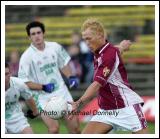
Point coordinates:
[[110, 72]]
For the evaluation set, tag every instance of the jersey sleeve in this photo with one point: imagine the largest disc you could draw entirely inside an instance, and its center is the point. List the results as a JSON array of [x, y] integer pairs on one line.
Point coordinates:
[[107, 68], [63, 57], [26, 94], [22, 88], [24, 69]]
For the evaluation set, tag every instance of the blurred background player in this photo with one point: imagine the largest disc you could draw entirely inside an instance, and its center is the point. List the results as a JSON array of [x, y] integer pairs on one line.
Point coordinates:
[[14, 63], [115, 94], [75, 54], [82, 58], [15, 121], [40, 67]]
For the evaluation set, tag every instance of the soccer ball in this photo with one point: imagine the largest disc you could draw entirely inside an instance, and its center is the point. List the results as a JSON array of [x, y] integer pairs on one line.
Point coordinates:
[[56, 107]]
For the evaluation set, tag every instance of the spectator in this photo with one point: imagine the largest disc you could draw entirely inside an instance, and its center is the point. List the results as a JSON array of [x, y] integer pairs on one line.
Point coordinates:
[[14, 63], [74, 52], [84, 56]]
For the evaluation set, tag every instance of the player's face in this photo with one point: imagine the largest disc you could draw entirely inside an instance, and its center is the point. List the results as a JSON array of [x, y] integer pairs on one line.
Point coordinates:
[[7, 77], [92, 39], [36, 36]]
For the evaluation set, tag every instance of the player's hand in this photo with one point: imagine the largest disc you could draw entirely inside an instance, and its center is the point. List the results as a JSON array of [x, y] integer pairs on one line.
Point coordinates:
[[73, 82], [125, 45], [75, 106], [32, 114], [48, 88]]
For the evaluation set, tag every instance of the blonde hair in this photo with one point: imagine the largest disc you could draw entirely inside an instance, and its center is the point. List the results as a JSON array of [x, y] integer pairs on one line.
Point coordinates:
[[94, 25]]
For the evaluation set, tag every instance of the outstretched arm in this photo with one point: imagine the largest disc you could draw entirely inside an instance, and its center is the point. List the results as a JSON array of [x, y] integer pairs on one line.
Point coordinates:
[[72, 79], [89, 94], [124, 45]]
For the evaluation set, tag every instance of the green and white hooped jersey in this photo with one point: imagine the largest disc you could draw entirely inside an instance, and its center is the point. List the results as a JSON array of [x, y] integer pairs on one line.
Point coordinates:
[[12, 106], [43, 66]]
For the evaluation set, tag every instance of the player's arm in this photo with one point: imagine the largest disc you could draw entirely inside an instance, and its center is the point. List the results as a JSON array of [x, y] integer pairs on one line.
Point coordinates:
[[124, 45], [67, 71], [63, 64], [27, 95], [34, 111], [48, 88], [34, 86], [72, 79], [89, 94]]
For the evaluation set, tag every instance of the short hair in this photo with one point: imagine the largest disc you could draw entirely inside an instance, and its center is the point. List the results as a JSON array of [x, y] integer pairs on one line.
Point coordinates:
[[35, 24], [6, 65], [94, 25]]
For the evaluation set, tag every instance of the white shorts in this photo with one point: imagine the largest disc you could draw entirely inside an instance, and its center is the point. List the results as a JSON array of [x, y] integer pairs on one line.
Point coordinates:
[[42, 99], [129, 118], [16, 125]]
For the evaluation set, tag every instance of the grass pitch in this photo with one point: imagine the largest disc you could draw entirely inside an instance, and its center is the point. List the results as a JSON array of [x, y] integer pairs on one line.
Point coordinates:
[[39, 127]]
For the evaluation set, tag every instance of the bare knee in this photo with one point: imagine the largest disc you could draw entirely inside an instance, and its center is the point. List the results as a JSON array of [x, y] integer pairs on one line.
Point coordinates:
[[75, 130], [53, 130], [27, 130], [73, 126]]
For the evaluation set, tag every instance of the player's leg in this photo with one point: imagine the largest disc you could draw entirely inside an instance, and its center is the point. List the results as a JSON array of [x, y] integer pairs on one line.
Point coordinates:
[[73, 125], [53, 126], [142, 120], [24, 126], [27, 130], [94, 127], [18, 125], [130, 118]]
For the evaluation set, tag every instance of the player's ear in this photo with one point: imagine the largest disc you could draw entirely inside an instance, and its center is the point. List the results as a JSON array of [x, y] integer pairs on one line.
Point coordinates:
[[101, 35], [44, 34]]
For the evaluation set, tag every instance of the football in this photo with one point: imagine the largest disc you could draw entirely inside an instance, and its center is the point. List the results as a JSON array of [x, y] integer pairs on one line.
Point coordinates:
[[56, 107]]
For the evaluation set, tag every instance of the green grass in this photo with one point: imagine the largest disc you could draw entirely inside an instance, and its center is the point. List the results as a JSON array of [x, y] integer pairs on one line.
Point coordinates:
[[39, 127], [151, 127]]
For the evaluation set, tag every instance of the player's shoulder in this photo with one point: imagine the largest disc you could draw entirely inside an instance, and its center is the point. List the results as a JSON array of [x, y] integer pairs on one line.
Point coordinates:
[[54, 45], [14, 81], [28, 53], [111, 49], [17, 82]]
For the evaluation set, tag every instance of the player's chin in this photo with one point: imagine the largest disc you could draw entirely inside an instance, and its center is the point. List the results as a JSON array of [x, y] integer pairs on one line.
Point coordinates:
[[38, 41]]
